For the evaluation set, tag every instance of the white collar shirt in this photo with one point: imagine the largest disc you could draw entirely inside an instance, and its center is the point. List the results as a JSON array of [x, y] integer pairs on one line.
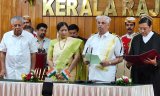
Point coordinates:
[[18, 53], [148, 37], [99, 45], [44, 44]]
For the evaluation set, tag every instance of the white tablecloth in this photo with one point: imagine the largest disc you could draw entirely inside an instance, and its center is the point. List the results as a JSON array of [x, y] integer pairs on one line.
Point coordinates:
[[63, 89]]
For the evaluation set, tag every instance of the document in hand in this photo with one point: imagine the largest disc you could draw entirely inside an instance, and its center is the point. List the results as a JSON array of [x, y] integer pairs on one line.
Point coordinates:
[[94, 59], [139, 59]]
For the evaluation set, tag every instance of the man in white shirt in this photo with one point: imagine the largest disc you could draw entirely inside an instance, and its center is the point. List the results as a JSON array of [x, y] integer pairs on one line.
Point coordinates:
[[109, 49], [17, 51]]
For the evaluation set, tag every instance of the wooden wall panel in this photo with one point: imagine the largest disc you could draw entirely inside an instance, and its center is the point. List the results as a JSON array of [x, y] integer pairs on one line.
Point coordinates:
[[136, 27], [58, 19], [94, 25], [73, 20], [87, 25], [81, 25], [118, 29], [14, 7], [111, 28], [25, 8], [156, 24], [19, 7], [32, 14], [5, 23], [67, 20], [38, 15], [47, 21]]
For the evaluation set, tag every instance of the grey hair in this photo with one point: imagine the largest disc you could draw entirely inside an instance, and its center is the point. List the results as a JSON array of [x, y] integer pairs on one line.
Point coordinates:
[[15, 18], [107, 19]]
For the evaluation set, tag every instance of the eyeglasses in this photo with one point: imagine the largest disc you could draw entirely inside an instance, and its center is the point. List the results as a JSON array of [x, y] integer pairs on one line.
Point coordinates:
[[15, 25], [143, 29]]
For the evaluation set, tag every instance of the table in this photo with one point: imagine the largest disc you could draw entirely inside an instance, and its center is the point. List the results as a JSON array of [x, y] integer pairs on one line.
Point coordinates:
[[63, 89]]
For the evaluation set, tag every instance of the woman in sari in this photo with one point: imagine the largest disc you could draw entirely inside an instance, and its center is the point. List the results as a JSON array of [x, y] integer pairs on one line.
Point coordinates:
[[63, 55]]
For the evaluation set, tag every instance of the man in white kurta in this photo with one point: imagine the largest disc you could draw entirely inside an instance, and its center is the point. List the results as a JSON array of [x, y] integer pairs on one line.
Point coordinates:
[[109, 49], [18, 51]]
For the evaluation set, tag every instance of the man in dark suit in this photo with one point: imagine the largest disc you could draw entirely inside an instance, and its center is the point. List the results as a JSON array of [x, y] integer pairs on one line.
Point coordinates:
[[149, 71]]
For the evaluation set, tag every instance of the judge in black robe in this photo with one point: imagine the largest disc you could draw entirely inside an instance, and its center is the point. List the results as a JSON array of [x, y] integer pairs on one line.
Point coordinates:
[[149, 72]]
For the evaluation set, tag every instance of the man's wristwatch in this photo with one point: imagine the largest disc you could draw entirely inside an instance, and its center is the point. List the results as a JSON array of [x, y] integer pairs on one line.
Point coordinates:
[[110, 63]]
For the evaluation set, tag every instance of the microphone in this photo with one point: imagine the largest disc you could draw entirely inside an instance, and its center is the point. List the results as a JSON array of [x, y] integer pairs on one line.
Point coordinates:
[[121, 45], [91, 53], [86, 51], [91, 49]]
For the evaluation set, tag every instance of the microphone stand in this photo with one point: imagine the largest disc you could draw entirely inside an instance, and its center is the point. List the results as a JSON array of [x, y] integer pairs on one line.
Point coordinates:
[[47, 88], [89, 60]]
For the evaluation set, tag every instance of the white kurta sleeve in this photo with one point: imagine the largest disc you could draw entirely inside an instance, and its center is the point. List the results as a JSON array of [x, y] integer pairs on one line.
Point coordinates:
[[118, 47], [3, 45], [32, 45]]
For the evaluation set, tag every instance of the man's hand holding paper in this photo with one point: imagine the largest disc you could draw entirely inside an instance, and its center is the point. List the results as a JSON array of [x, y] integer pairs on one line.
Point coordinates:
[[151, 61], [105, 63], [149, 57], [92, 59]]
